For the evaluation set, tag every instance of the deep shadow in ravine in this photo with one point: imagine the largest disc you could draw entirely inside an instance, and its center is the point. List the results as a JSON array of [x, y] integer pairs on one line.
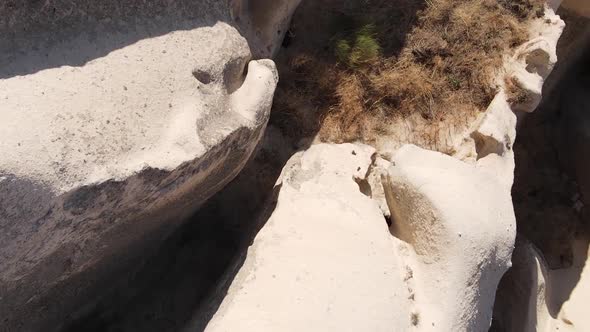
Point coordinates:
[[169, 289]]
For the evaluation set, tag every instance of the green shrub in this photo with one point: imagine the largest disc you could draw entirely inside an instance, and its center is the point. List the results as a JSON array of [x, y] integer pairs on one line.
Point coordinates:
[[342, 50], [364, 50]]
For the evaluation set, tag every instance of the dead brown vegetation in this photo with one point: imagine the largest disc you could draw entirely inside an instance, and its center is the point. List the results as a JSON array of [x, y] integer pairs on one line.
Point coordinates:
[[514, 91], [435, 57]]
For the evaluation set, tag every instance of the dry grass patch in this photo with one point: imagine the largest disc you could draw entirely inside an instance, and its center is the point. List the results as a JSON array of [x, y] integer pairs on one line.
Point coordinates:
[[515, 93], [388, 59]]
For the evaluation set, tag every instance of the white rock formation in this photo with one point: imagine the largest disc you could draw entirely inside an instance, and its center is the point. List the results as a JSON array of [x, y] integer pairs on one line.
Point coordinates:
[[458, 220], [325, 260], [453, 226], [131, 109], [533, 61], [494, 131], [104, 154], [114, 130]]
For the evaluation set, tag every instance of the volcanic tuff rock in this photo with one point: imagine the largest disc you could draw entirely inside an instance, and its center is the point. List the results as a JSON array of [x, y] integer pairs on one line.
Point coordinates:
[[325, 260], [118, 121], [450, 240], [327, 254]]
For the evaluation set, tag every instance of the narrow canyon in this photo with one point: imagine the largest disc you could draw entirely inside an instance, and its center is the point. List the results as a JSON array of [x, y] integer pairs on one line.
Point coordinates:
[[288, 165]]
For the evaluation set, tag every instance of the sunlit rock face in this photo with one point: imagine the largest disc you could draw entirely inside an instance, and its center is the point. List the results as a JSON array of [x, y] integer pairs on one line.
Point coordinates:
[[118, 121]]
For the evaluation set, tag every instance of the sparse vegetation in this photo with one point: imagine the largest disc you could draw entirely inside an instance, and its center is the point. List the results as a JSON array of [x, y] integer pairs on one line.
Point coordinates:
[[363, 49], [514, 91], [384, 59]]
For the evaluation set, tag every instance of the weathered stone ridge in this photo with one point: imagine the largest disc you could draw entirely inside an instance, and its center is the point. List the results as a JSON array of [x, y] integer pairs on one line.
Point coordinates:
[[119, 121]]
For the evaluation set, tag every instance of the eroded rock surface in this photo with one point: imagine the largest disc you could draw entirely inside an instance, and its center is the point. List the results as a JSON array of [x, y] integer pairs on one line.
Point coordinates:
[[118, 121], [324, 260], [121, 120], [452, 220], [458, 220]]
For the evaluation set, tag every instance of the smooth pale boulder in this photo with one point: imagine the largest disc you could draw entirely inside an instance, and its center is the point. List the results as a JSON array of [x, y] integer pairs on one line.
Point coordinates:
[[459, 221], [325, 260], [118, 121]]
